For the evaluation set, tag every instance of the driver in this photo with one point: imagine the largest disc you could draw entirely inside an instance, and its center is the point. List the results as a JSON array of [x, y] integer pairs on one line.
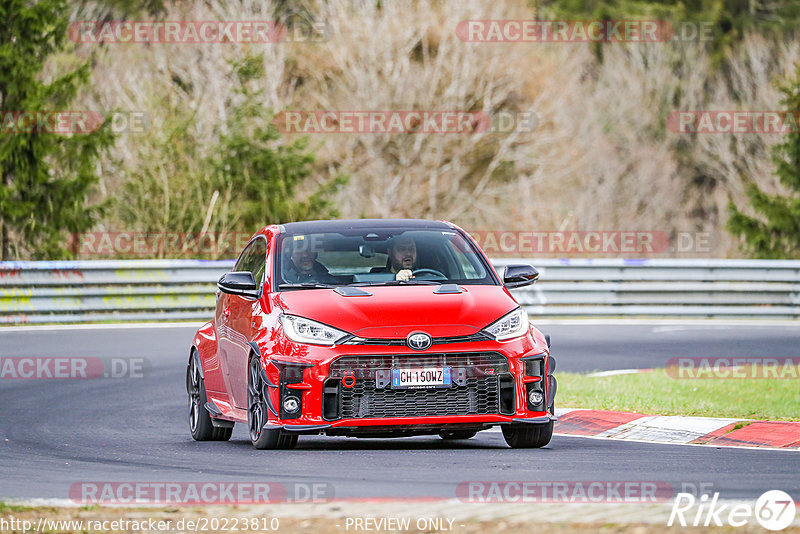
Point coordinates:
[[403, 257], [302, 265]]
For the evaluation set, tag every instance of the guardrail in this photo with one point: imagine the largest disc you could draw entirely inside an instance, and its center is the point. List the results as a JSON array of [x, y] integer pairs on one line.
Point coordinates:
[[152, 290]]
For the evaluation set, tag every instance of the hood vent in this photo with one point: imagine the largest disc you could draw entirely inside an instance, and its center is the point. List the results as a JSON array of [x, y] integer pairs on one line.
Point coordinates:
[[347, 291], [448, 288]]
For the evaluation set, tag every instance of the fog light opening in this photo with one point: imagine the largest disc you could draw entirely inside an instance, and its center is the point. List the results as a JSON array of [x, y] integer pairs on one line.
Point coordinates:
[[291, 404], [535, 397]]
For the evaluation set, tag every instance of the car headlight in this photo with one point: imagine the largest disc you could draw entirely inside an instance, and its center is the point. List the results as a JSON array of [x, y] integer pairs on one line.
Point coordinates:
[[304, 330], [509, 326]]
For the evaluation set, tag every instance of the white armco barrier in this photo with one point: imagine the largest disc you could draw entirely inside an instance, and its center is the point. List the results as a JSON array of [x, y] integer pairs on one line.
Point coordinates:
[[149, 290]]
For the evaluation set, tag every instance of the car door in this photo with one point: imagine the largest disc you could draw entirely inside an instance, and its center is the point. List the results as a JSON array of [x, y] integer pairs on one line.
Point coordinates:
[[240, 322], [228, 343], [216, 378]]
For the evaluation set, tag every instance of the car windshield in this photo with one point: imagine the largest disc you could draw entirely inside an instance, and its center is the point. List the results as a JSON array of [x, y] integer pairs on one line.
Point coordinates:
[[375, 257]]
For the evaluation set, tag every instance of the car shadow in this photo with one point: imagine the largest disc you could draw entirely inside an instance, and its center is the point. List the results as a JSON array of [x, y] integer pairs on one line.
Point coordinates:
[[339, 443]]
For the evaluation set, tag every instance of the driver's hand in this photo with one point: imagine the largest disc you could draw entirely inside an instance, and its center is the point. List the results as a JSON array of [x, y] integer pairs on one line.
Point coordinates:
[[404, 275]]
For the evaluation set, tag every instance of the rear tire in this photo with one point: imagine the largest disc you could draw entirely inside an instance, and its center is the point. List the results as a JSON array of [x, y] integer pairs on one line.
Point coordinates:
[[457, 434], [200, 425], [528, 436]]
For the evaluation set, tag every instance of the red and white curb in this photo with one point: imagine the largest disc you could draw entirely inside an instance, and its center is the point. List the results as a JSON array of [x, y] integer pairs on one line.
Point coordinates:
[[717, 432]]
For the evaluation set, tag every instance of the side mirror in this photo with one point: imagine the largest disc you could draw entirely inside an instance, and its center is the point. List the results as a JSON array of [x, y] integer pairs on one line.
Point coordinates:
[[519, 276], [238, 283]]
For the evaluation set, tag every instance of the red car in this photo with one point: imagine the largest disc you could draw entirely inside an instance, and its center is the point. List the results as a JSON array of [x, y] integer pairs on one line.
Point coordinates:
[[370, 328]]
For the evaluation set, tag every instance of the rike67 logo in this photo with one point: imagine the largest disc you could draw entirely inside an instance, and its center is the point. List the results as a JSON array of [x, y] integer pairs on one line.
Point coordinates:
[[774, 510]]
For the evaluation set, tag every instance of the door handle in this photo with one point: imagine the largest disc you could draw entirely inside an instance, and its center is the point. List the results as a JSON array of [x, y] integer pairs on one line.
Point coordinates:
[[227, 312]]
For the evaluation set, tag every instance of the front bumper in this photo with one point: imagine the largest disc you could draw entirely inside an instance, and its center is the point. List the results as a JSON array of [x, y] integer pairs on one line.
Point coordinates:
[[344, 390]]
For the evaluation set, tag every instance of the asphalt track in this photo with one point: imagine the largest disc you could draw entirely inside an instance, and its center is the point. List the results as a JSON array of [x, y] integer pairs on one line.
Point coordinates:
[[56, 433]]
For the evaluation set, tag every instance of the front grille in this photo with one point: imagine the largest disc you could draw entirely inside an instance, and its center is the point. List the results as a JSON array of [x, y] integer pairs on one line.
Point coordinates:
[[471, 338], [481, 384]]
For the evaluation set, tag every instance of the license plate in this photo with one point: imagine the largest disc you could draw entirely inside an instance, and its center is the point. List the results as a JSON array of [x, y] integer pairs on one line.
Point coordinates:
[[421, 378]]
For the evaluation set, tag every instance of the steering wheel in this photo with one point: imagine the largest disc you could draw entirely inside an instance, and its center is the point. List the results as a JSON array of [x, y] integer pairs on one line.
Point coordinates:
[[432, 272]]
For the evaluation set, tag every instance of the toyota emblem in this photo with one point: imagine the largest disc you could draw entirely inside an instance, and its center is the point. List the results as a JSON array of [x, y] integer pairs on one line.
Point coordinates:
[[419, 341]]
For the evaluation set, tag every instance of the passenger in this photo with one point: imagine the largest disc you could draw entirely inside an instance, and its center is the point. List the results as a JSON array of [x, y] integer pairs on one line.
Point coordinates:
[[302, 265]]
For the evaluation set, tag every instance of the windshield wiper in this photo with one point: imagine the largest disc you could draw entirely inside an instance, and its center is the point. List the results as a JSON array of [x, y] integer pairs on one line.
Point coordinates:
[[306, 285]]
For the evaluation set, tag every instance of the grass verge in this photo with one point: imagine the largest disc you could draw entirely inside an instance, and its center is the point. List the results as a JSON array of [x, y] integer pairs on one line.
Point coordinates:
[[6, 508], [657, 393]]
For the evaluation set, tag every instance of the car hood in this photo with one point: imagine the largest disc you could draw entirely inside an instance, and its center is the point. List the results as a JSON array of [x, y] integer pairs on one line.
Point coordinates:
[[396, 311]]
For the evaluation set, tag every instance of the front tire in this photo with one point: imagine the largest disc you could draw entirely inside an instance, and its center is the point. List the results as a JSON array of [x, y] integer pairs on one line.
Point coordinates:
[[258, 414], [287, 441], [200, 425], [528, 436]]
